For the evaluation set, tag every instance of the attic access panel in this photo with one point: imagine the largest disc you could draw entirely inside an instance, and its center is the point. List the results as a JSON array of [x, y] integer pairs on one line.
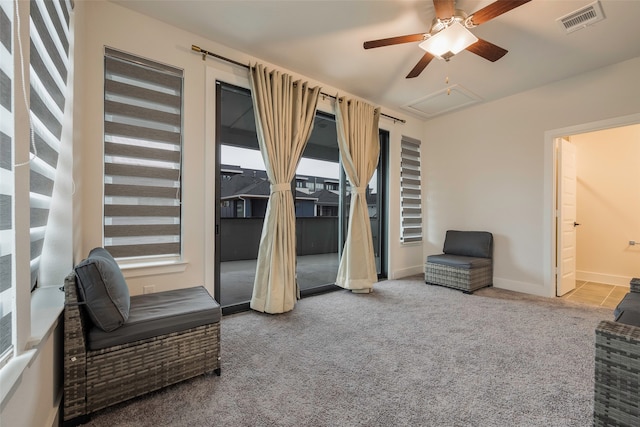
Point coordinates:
[[238, 126], [443, 101]]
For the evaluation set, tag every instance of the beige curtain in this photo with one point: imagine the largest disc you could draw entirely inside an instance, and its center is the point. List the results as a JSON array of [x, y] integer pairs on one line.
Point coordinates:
[[284, 112], [357, 125]]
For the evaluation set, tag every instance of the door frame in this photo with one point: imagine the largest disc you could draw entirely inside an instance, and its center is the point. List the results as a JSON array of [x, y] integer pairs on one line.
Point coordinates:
[[212, 186], [550, 196]]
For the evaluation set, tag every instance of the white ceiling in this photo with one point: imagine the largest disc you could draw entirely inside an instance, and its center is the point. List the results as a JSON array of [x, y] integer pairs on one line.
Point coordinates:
[[322, 39]]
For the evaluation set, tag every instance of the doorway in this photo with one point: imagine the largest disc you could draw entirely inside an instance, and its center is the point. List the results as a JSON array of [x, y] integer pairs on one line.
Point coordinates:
[[605, 235], [321, 194]]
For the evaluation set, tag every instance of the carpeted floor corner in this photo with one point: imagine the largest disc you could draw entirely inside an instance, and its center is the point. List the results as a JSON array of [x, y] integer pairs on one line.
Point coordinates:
[[409, 354]]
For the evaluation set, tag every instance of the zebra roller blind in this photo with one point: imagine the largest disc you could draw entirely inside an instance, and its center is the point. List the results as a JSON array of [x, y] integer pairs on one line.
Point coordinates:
[[142, 156], [49, 65], [6, 180], [410, 191]]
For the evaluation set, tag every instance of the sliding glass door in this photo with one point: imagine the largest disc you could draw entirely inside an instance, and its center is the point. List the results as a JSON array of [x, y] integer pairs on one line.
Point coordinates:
[[242, 190]]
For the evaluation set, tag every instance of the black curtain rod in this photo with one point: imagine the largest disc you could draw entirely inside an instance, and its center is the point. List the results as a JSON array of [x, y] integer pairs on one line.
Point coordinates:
[[240, 64]]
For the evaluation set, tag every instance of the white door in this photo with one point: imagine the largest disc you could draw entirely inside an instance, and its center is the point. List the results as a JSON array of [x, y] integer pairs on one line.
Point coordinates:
[[566, 219]]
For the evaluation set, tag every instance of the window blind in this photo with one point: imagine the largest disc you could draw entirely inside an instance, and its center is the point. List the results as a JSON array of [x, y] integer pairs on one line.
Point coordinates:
[[6, 180], [410, 191], [142, 156], [49, 64]]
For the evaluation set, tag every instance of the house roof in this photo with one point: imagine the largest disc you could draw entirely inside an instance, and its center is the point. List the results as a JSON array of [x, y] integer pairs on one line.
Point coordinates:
[[251, 187], [326, 197]]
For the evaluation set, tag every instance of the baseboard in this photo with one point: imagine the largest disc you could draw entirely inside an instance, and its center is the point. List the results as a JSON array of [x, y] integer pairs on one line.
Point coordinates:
[[524, 287], [608, 279], [405, 272]]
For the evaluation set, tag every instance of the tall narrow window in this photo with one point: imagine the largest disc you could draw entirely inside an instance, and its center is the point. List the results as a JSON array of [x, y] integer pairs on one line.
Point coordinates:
[[410, 191], [7, 247], [142, 157], [48, 86]]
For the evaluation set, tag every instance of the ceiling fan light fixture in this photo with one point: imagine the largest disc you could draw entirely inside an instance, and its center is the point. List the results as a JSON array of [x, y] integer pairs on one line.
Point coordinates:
[[449, 41]]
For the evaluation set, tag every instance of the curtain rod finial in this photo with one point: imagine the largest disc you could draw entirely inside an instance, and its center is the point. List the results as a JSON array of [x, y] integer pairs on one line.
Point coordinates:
[[199, 49]]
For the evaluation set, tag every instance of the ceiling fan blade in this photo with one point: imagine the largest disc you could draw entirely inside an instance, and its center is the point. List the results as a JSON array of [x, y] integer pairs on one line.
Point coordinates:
[[444, 8], [421, 65], [487, 50], [496, 8], [394, 40]]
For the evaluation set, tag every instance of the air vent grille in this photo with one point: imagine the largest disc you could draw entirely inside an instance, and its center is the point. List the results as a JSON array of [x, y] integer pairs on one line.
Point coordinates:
[[579, 19]]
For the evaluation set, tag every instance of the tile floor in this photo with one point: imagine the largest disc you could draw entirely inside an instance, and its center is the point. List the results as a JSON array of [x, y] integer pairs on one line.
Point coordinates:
[[597, 293]]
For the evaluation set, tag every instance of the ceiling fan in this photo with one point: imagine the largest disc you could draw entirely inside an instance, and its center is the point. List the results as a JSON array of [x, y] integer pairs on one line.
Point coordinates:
[[449, 33]]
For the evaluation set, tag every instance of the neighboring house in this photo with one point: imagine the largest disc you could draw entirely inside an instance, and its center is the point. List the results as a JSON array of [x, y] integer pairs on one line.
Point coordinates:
[[245, 195], [327, 203]]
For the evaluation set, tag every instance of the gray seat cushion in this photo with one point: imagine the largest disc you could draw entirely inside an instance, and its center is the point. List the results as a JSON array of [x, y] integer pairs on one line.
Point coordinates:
[[102, 287], [469, 243], [459, 261], [158, 314], [628, 310]]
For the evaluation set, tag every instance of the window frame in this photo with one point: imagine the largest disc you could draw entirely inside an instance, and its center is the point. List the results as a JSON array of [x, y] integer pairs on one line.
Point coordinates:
[[7, 188]]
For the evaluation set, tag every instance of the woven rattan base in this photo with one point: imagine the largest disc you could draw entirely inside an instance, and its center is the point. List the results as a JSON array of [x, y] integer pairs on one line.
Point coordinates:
[[464, 279], [96, 379], [617, 375]]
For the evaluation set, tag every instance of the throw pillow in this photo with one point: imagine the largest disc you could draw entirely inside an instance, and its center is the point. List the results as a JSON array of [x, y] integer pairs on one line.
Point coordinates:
[[102, 287]]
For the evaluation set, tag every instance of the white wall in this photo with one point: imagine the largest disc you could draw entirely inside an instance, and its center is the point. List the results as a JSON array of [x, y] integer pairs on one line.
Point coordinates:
[[490, 168], [35, 399], [608, 205], [108, 24]]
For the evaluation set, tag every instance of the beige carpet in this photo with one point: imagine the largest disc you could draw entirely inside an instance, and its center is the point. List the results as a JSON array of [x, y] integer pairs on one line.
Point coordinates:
[[409, 354]]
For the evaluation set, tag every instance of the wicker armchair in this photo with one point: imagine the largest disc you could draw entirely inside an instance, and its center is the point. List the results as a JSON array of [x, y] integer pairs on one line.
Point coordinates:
[[466, 264], [617, 370], [95, 379]]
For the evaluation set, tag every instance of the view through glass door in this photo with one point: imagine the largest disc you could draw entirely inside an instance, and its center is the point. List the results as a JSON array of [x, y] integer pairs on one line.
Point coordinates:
[[242, 192]]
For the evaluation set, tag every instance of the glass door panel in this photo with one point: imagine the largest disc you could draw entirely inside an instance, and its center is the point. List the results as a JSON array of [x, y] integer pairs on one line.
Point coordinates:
[[243, 190], [317, 206]]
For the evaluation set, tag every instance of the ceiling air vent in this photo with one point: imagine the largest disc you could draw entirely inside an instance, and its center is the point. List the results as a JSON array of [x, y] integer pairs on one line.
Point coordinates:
[[590, 14]]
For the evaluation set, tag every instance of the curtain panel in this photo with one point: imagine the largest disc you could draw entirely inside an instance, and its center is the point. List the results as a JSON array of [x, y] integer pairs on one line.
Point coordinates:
[[359, 143], [284, 112]]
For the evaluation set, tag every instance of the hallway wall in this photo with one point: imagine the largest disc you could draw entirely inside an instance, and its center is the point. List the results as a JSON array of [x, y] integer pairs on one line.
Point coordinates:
[[608, 205]]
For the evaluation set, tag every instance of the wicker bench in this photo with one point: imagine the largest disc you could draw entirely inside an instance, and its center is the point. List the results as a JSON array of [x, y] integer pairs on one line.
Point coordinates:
[[617, 364], [167, 337], [466, 264]]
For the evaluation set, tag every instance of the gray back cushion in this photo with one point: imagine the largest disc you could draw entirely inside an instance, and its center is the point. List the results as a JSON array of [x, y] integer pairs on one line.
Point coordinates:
[[102, 287], [469, 243]]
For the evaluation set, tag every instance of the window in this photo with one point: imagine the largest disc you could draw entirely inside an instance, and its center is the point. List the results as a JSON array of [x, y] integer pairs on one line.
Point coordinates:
[[6, 181], [142, 156], [410, 191], [332, 186], [48, 26]]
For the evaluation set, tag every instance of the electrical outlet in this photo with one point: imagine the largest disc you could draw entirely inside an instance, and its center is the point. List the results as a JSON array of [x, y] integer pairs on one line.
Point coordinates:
[[148, 289]]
